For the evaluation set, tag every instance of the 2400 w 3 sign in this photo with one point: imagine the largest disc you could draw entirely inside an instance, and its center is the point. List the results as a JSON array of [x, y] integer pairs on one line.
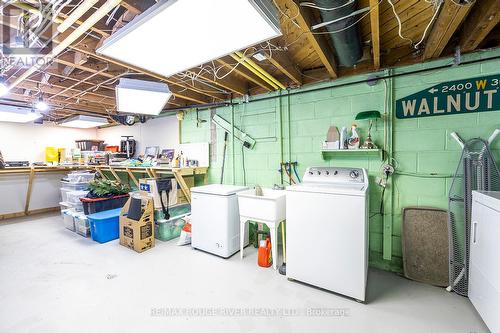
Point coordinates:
[[456, 97]]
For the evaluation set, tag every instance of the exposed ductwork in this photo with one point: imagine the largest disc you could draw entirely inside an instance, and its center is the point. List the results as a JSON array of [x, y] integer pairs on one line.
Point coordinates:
[[346, 43]]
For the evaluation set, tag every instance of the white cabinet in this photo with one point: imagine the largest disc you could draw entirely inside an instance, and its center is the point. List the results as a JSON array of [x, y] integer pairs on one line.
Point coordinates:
[[484, 267]]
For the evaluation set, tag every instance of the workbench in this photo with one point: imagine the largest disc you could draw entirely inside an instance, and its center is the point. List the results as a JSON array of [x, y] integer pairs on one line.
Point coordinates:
[[13, 179]]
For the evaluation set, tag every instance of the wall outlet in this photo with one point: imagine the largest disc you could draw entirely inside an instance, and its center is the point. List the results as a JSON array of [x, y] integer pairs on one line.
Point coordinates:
[[388, 169]]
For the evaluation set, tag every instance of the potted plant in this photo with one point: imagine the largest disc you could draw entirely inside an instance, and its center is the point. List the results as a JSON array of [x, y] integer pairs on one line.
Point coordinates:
[[105, 195]]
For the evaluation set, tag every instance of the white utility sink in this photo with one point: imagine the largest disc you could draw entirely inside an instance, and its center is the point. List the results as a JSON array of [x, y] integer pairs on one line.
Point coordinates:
[[269, 207]]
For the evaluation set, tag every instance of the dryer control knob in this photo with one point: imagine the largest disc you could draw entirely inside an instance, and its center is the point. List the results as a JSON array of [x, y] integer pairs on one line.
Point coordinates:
[[327, 172], [319, 173], [354, 174]]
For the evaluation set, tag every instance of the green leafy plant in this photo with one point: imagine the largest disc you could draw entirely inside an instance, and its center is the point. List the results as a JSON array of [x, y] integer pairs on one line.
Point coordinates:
[[101, 188]]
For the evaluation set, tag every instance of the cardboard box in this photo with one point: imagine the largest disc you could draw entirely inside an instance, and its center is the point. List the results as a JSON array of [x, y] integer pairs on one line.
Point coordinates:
[[148, 186], [138, 235]]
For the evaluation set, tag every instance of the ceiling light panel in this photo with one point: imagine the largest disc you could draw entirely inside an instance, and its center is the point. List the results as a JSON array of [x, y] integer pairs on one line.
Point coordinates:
[[141, 97], [16, 114], [84, 122], [176, 35]]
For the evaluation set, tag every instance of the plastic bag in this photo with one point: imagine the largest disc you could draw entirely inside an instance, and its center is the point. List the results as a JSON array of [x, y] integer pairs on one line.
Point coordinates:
[[185, 237]]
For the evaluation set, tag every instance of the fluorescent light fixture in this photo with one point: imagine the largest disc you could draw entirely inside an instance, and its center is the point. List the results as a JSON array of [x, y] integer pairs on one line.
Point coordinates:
[[3, 89], [41, 106], [176, 35], [84, 122], [141, 97], [15, 114], [76, 14]]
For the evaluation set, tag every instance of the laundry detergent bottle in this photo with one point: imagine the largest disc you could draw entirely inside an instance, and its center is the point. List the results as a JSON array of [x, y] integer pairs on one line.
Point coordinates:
[[264, 254]]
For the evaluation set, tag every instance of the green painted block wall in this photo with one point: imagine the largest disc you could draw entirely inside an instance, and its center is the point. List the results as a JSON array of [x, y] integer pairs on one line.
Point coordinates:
[[421, 146]]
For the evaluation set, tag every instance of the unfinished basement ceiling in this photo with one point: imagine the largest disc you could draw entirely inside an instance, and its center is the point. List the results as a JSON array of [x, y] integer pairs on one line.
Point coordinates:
[[391, 33]]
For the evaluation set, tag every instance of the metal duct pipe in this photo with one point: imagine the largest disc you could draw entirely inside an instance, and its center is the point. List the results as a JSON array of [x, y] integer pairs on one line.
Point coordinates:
[[346, 43]]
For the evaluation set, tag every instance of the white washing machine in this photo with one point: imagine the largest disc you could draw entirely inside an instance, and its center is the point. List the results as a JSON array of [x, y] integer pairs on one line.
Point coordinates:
[[327, 230], [215, 219]]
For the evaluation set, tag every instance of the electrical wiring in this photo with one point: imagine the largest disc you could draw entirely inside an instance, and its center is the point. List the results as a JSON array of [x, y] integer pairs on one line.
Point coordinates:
[[292, 19], [336, 31], [400, 25], [381, 208], [436, 3], [423, 175], [110, 16], [313, 5], [352, 14], [436, 11]]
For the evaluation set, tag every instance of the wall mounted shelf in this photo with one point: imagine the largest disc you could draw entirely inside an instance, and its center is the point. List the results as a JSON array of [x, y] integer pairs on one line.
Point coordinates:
[[354, 152]]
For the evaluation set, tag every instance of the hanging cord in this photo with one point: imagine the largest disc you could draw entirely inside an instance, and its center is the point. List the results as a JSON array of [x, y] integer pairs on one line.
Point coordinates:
[[243, 164], [291, 180], [296, 173], [381, 209], [436, 11], [226, 134]]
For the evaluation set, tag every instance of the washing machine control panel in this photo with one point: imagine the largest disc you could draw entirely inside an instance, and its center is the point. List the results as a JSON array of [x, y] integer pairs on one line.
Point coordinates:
[[335, 175]]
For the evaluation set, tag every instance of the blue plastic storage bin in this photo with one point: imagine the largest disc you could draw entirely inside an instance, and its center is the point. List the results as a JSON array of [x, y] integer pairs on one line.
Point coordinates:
[[104, 226]]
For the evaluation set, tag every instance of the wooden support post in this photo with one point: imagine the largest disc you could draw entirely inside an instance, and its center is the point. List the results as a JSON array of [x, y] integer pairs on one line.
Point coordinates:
[[115, 175], [28, 193], [185, 189], [101, 173], [131, 175], [153, 173], [150, 174]]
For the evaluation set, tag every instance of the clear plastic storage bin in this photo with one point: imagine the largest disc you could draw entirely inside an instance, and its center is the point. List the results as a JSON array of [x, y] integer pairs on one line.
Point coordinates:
[[74, 186], [77, 207], [69, 221], [80, 177], [64, 209], [73, 197], [64, 194], [82, 226]]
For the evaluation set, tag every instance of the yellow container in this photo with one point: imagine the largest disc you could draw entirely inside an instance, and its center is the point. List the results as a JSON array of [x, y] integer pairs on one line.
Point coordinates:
[[51, 155], [62, 155]]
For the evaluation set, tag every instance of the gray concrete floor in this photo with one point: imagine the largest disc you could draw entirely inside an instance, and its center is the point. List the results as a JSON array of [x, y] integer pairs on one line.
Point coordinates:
[[53, 280]]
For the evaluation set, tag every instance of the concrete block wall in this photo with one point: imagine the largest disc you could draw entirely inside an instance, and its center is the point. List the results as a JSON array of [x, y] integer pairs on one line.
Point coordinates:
[[421, 146]]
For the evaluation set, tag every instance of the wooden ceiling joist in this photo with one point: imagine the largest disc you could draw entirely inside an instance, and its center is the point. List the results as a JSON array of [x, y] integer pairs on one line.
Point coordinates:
[[60, 104], [229, 83], [375, 30], [50, 90], [318, 42], [283, 63], [137, 6], [69, 86], [79, 78], [450, 18], [483, 18], [240, 70]]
